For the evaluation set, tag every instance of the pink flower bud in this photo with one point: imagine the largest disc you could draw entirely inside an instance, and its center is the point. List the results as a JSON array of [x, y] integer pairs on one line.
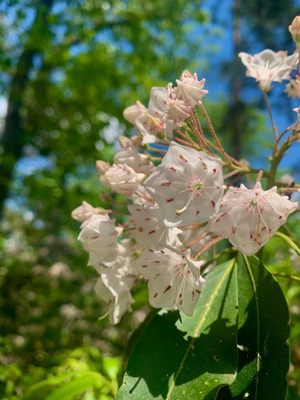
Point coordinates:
[[131, 113], [294, 29]]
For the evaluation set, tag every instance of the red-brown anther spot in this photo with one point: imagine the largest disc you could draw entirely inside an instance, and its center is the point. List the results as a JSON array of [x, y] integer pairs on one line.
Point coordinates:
[[182, 158], [280, 217], [140, 229], [163, 252], [233, 229], [157, 275], [157, 262], [147, 219], [151, 251], [155, 295], [173, 169], [151, 232], [144, 266], [213, 203], [198, 291], [197, 212], [166, 183], [169, 200], [214, 170], [167, 288]]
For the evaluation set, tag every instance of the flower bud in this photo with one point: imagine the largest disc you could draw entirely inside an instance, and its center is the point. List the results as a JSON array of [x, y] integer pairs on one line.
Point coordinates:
[[102, 167], [131, 113], [294, 29]]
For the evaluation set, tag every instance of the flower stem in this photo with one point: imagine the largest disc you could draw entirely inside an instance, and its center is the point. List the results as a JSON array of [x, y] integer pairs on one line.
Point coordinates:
[[274, 127], [213, 133]]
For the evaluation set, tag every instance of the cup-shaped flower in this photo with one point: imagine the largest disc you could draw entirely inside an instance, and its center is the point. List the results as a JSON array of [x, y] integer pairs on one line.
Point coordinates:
[[147, 228], [187, 185], [122, 179], [250, 217], [130, 156], [174, 280], [269, 66], [111, 288], [99, 238]]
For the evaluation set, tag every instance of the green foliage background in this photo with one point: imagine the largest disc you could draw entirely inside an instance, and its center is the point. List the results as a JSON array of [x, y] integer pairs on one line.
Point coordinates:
[[68, 69]]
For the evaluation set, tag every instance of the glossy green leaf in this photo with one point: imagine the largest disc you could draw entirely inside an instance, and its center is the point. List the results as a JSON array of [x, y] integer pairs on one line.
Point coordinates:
[[190, 357], [262, 336]]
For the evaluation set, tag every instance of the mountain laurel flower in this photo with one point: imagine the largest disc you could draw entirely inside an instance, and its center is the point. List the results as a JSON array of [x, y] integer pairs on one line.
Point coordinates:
[[85, 211], [294, 29], [250, 217], [174, 280], [98, 236], [122, 179], [131, 113], [148, 230], [111, 289], [150, 127], [292, 88], [130, 156], [187, 185], [165, 105], [116, 280], [269, 66], [190, 89]]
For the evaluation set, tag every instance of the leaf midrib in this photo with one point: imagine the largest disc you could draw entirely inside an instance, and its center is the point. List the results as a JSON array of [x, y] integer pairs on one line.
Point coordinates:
[[199, 326], [258, 359]]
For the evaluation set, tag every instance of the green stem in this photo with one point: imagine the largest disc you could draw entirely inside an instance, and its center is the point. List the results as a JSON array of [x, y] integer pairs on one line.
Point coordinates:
[[274, 127]]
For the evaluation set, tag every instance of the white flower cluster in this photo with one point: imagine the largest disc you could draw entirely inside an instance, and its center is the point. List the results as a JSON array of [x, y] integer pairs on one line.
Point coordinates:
[[178, 207]]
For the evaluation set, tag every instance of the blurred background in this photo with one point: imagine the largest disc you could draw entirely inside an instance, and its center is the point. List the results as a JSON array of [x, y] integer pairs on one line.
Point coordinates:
[[67, 70]]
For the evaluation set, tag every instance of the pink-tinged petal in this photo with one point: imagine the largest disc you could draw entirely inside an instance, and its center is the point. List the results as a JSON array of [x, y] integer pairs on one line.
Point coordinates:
[[187, 185], [174, 280], [250, 217]]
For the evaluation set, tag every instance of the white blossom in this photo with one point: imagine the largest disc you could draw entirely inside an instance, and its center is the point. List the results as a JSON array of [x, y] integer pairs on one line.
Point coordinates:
[[165, 105], [99, 238], [147, 228], [174, 280], [292, 88], [116, 280], [130, 156], [122, 179], [190, 89], [269, 66], [187, 185], [85, 211], [250, 217], [131, 113]]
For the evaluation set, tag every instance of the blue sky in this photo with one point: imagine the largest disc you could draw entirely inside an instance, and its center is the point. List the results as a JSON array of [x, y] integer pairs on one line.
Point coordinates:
[[217, 39]]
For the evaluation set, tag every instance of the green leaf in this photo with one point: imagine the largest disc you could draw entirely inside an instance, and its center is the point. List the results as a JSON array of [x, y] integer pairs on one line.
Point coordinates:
[[191, 357], [262, 336], [77, 386], [289, 241]]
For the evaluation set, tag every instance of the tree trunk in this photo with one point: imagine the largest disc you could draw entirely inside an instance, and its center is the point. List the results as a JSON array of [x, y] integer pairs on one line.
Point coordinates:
[[12, 139], [236, 105]]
